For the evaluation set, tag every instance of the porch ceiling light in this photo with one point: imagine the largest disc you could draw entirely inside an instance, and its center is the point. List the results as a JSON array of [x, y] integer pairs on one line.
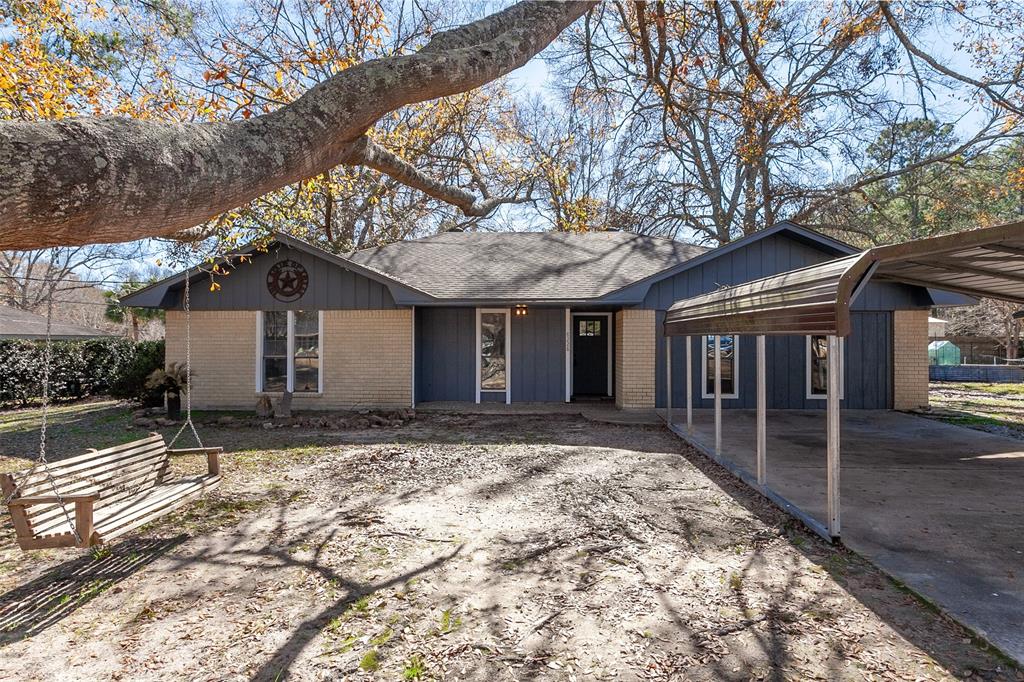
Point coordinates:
[[521, 310]]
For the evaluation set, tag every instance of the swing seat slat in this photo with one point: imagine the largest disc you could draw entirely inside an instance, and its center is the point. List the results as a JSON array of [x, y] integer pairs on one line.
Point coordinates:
[[111, 491]]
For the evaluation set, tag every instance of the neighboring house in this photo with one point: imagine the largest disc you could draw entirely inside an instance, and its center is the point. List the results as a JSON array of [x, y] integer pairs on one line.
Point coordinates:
[[19, 324], [516, 317]]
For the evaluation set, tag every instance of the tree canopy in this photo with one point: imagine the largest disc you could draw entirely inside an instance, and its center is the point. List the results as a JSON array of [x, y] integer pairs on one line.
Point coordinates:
[[369, 121]]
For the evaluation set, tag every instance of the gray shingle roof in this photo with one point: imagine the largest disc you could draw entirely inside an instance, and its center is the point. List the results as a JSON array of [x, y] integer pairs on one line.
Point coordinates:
[[19, 324], [529, 266]]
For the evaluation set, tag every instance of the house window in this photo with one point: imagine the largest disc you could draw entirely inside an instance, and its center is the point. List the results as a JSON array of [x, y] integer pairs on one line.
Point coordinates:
[[493, 355], [275, 351], [817, 366], [307, 351], [289, 349], [730, 370], [590, 327]]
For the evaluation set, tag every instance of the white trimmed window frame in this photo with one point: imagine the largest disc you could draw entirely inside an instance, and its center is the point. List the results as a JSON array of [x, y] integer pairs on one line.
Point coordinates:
[[507, 312], [290, 373], [708, 355], [807, 368]]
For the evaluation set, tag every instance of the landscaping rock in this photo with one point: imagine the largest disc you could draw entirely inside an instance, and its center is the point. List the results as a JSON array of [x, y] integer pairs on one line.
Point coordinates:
[[226, 420], [264, 408]]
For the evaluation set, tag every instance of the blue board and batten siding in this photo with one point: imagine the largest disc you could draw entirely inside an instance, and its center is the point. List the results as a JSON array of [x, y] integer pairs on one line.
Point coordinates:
[[330, 287], [446, 355], [868, 355], [445, 358], [867, 372], [538, 356]]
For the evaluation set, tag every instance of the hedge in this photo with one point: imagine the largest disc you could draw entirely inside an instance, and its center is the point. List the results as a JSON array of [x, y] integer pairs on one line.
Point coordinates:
[[78, 369]]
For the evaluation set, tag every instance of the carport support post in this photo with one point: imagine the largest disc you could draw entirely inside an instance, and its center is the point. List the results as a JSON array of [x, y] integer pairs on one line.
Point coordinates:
[[832, 408], [668, 380], [689, 387], [762, 405], [718, 395]]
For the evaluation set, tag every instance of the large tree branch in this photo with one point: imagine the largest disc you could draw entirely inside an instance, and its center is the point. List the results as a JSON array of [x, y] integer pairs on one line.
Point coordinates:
[[375, 156], [92, 180]]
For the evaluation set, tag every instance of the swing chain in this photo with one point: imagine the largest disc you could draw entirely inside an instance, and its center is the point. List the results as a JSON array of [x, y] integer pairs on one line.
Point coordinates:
[[188, 370], [47, 359]]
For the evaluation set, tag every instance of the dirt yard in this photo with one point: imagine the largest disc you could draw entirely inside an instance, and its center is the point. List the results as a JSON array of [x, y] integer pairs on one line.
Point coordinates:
[[461, 547]]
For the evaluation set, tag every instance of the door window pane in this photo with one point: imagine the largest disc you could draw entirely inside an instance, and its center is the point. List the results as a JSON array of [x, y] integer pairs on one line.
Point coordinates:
[[492, 351], [728, 353], [590, 328], [275, 351], [307, 351]]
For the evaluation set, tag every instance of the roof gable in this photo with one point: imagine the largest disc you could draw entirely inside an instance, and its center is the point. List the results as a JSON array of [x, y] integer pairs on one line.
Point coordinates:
[[829, 246], [165, 293]]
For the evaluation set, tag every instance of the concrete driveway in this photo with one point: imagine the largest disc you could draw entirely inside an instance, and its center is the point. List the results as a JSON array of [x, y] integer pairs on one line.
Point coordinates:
[[939, 507]]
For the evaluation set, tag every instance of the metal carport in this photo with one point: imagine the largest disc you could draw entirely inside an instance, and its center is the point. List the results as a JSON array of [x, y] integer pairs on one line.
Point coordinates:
[[987, 262]]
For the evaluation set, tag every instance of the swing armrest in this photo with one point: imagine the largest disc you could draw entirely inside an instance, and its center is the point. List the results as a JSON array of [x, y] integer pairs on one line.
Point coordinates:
[[194, 451], [212, 457], [52, 499]]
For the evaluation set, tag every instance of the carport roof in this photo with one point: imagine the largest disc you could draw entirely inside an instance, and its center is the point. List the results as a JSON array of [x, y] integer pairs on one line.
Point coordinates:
[[987, 262]]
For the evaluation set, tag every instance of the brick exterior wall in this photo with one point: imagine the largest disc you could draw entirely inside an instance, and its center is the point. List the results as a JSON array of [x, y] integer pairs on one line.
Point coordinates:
[[910, 359], [366, 358], [223, 356], [635, 358]]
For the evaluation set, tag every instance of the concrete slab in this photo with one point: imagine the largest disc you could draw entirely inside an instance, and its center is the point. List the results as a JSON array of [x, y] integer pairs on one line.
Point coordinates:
[[939, 507]]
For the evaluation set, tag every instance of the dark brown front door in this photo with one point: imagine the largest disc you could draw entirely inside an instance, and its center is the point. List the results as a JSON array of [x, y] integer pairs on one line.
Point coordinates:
[[590, 355]]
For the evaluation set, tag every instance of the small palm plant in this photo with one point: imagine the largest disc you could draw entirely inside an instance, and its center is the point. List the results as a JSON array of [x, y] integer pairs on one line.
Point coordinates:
[[172, 380]]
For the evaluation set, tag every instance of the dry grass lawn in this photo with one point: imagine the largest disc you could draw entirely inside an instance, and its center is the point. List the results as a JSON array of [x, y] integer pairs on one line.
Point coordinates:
[[996, 408], [460, 547]]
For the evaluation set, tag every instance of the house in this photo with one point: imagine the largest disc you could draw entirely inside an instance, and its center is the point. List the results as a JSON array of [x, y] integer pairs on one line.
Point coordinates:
[[21, 324], [522, 317]]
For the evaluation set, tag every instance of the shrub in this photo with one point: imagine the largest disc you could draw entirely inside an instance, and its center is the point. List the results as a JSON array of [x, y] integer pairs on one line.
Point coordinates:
[[78, 369], [131, 380]]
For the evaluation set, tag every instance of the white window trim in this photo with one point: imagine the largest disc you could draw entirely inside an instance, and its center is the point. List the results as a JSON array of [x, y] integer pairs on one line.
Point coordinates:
[[807, 369], [508, 354], [572, 329], [568, 355], [704, 367], [290, 361]]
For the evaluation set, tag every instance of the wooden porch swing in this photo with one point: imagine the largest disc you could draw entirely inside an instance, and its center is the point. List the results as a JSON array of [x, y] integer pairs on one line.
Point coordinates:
[[114, 490]]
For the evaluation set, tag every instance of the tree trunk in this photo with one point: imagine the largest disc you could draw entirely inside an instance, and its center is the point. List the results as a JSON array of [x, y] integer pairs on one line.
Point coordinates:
[[110, 179]]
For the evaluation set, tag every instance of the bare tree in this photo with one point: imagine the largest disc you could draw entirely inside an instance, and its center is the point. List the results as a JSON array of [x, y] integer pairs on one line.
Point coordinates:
[[70, 276], [748, 113], [990, 318], [91, 180]]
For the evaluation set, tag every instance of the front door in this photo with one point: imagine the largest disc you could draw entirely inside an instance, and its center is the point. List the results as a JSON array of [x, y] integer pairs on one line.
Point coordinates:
[[590, 355]]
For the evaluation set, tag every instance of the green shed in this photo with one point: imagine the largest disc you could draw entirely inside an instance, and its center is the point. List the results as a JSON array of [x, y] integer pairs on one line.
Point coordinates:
[[943, 353]]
